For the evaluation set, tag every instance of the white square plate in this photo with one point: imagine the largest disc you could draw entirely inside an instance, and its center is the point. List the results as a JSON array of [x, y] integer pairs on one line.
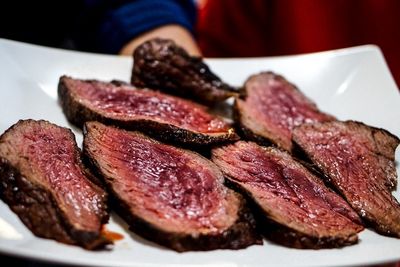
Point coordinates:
[[353, 83]]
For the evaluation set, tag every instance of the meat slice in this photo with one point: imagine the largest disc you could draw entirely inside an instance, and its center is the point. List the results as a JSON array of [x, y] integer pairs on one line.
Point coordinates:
[[167, 117], [171, 196], [296, 208], [272, 107], [44, 182], [162, 65], [358, 160]]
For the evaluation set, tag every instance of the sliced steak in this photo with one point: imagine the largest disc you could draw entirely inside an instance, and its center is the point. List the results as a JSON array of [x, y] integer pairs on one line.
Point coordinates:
[[296, 208], [166, 117], [162, 65], [359, 162], [168, 195], [44, 182], [272, 107]]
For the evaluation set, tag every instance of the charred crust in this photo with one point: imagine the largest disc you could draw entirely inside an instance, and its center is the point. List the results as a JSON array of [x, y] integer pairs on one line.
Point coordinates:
[[380, 228], [78, 114], [161, 64], [301, 156], [245, 132], [38, 210], [267, 138], [283, 235], [392, 142], [240, 235]]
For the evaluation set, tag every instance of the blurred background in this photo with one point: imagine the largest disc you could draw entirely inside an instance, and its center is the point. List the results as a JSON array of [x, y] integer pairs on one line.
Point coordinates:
[[223, 28], [285, 27]]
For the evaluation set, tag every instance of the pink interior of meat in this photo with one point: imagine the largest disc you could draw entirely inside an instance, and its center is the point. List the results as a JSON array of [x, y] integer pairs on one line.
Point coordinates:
[[349, 159], [284, 189], [161, 183], [49, 153], [125, 102], [278, 106]]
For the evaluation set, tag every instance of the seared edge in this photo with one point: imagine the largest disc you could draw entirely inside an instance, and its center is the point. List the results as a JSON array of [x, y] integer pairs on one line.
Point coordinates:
[[240, 235], [385, 149], [247, 133], [284, 235], [78, 114], [38, 209], [281, 234], [161, 64], [267, 138]]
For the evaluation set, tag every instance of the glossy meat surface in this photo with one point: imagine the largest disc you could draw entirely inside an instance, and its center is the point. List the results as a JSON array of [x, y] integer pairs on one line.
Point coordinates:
[[166, 117], [125, 103], [174, 190], [272, 107], [289, 195], [46, 161], [359, 162]]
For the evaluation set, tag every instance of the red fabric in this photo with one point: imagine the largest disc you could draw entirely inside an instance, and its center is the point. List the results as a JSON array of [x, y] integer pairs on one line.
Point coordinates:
[[242, 28]]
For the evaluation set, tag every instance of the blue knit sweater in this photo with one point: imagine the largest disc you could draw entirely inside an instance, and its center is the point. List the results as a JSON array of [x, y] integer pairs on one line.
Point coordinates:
[[131, 18], [90, 25]]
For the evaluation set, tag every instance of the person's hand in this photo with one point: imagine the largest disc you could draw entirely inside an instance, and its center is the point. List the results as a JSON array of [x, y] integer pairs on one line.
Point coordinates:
[[177, 33]]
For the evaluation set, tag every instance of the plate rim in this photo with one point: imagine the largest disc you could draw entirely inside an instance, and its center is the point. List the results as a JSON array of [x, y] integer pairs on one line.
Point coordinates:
[[28, 254]]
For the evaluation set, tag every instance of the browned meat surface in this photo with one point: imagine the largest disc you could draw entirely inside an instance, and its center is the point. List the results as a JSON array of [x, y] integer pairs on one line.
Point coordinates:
[[297, 209], [359, 162], [161, 64], [171, 196], [44, 182], [166, 117], [272, 107]]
